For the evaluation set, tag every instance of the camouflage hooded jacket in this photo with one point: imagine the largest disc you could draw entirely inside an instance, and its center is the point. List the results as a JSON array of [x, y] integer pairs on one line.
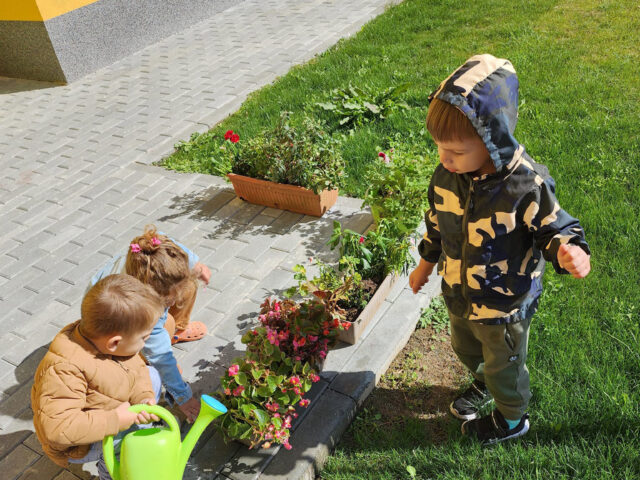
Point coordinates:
[[489, 234]]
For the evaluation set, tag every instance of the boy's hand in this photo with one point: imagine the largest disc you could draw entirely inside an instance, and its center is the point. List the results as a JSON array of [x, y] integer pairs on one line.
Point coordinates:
[[125, 417], [145, 417], [203, 273], [420, 275], [575, 260], [191, 409]]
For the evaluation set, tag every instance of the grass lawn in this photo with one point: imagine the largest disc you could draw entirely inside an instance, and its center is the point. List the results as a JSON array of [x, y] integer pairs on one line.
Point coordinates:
[[578, 63]]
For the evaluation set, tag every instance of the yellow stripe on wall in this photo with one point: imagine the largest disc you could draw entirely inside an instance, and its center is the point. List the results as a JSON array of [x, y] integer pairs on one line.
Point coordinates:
[[38, 10]]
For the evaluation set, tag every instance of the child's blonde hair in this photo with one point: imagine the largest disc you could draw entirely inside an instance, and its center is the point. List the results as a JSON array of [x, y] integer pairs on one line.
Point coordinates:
[[119, 304], [447, 123], [156, 261]]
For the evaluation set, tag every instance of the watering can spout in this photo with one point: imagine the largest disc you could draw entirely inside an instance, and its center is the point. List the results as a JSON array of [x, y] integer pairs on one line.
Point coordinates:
[[210, 408]]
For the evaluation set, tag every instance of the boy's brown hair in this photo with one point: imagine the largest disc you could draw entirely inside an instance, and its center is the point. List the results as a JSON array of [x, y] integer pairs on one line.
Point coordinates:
[[447, 123], [119, 304], [157, 261]]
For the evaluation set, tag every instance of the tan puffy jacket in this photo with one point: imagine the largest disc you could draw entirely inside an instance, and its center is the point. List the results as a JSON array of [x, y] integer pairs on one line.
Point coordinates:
[[76, 390]]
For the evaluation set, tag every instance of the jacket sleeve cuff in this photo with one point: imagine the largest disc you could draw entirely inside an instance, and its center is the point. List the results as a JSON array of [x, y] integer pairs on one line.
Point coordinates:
[[428, 253]]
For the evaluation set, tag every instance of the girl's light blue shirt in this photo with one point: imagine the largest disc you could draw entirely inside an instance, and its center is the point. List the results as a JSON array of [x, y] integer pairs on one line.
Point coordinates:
[[157, 349]]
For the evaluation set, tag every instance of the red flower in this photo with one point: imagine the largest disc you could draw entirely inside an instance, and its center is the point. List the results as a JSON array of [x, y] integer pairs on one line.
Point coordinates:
[[228, 135], [361, 240], [235, 138]]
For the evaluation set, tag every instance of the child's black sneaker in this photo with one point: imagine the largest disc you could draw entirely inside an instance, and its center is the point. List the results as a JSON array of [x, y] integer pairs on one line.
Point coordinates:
[[467, 406], [494, 428]]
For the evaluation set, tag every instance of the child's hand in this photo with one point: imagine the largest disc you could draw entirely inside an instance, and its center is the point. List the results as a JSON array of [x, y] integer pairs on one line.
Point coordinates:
[[575, 260], [191, 409], [420, 275], [145, 417], [203, 273], [125, 417]]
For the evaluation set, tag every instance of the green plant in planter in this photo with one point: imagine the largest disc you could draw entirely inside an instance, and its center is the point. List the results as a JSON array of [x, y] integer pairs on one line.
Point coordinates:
[[261, 390], [376, 253], [398, 188], [261, 397], [332, 279], [304, 155]]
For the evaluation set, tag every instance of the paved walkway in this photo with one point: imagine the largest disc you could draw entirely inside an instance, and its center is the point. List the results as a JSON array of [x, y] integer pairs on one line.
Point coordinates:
[[76, 185]]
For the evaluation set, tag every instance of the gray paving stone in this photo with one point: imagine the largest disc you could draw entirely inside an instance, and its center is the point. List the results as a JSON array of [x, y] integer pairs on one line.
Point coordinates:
[[43, 469], [15, 462]]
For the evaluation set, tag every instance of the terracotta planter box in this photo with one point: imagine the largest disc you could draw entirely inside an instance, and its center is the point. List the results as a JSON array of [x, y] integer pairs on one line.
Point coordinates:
[[285, 197], [357, 328]]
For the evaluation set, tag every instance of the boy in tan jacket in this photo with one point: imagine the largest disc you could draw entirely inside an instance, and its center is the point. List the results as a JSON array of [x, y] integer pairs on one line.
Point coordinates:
[[93, 372]]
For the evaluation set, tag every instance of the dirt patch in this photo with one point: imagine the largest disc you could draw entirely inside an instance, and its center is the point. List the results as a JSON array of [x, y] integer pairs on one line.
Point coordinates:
[[420, 384], [369, 288]]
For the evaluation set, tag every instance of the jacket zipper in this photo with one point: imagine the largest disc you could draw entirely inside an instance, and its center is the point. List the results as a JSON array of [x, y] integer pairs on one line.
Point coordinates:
[[463, 267]]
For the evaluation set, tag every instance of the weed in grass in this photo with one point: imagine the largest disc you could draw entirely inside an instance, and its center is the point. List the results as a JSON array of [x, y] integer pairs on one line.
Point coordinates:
[[435, 316]]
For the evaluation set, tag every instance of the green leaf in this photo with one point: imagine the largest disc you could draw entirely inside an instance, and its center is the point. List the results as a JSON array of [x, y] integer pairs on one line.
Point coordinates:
[[246, 410], [264, 391], [262, 416], [241, 378], [412, 471], [372, 108], [326, 105], [256, 373], [345, 120], [273, 385]]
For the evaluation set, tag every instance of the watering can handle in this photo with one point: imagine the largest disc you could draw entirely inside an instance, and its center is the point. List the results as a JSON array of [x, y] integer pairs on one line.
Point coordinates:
[[161, 412], [107, 444]]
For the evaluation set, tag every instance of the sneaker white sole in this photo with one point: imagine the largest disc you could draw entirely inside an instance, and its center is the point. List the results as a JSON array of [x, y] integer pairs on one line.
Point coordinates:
[[471, 416], [495, 441]]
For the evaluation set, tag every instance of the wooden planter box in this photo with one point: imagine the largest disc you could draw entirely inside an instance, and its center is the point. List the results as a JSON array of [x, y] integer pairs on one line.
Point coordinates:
[[357, 328], [285, 197]]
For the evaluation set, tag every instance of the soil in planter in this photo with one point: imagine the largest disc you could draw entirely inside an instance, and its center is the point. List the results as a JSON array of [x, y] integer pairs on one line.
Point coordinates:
[[370, 286], [412, 398]]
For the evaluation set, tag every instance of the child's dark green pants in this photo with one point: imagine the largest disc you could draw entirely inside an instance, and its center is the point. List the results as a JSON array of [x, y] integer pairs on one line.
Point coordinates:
[[496, 355]]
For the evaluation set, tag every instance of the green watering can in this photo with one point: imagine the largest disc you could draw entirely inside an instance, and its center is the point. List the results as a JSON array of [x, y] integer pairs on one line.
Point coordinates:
[[157, 453]]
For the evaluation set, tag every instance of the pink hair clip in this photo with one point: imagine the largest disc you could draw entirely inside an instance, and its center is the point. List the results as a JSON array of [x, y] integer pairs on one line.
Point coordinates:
[[156, 241], [135, 248]]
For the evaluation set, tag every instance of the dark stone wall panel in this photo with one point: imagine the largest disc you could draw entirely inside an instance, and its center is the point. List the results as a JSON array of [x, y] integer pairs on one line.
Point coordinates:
[[26, 52], [72, 45]]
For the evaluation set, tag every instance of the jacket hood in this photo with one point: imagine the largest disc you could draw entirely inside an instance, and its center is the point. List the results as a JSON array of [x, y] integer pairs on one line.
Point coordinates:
[[485, 89]]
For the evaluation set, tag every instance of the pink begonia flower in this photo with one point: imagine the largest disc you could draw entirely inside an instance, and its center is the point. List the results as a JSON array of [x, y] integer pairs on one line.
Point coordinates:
[[268, 436], [276, 306], [155, 241], [272, 336], [135, 248], [322, 354], [278, 434], [304, 402], [262, 318], [294, 381], [276, 415], [314, 378], [384, 157], [312, 338], [297, 391], [270, 428], [288, 446], [233, 370], [228, 134], [227, 391], [361, 240], [238, 391], [295, 415]]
